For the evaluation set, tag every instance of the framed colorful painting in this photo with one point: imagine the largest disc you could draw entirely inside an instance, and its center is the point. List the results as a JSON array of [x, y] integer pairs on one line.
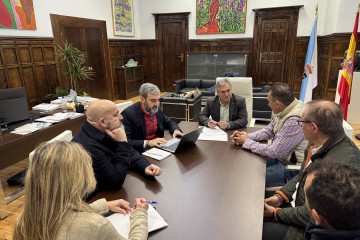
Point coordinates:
[[123, 17], [15, 14], [220, 16]]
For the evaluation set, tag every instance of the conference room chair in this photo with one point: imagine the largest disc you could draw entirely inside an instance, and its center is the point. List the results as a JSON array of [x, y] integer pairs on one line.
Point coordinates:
[[243, 86], [64, 136], [123, 105]]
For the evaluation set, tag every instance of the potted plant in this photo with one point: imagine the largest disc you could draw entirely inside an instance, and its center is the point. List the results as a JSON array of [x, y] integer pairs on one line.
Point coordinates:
[[74, 67]]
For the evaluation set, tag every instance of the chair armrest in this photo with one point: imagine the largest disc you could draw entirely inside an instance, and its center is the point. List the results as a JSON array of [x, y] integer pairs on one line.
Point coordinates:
[[179, 84], [293, 167]]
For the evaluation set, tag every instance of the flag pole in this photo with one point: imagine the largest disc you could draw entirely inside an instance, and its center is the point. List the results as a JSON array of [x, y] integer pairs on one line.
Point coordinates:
[[316, 11]]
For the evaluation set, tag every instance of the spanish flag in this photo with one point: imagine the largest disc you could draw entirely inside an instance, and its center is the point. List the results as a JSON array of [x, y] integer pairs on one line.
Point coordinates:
[[347, 71]]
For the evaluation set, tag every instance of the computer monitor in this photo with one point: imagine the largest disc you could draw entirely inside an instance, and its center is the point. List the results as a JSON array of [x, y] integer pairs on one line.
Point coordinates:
[[13, 105]]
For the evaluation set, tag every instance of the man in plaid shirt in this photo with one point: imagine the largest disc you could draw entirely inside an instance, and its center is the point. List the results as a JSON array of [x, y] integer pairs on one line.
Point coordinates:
[[286, 143]]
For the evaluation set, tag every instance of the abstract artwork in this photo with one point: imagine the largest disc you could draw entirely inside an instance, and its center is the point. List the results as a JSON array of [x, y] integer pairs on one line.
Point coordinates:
[[220, 16], [123, 17], [17, 14]]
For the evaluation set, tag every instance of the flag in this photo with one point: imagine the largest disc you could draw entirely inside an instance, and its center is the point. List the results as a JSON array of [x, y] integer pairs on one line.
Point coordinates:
[[310, 69], [344, 88]]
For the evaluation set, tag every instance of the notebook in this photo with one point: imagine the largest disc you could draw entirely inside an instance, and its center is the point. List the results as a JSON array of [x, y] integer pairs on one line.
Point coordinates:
[[179, 144], [156, 153], [122, 222]]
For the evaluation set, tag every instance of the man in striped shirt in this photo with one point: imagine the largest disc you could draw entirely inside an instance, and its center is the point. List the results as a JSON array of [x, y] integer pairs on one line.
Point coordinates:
[[286, 143]]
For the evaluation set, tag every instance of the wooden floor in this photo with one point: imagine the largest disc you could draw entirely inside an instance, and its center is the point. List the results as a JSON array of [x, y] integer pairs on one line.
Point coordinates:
[[6, 225]]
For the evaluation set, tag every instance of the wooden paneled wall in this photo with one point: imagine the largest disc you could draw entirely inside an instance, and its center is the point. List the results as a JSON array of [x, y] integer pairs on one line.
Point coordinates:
[[143, 51], [29, 63]]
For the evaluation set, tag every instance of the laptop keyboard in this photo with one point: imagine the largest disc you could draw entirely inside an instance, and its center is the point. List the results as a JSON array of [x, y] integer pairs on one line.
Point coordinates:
[[172, 144]]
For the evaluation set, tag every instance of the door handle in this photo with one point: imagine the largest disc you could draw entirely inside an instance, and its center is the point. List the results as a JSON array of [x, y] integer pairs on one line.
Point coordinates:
[[260, 57], [181, 57]]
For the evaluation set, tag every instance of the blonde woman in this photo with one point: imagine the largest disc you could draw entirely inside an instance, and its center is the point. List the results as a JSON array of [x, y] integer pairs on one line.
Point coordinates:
[[59, 177]]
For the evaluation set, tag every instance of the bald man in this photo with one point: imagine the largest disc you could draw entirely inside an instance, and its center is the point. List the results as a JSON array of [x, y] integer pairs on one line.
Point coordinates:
[[103, 135]]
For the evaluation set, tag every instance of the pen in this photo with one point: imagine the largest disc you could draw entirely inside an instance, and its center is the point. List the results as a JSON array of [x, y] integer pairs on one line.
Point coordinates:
[[152, 202]]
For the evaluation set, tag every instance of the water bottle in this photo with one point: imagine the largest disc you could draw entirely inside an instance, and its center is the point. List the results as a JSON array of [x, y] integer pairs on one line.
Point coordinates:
[[63, 104]]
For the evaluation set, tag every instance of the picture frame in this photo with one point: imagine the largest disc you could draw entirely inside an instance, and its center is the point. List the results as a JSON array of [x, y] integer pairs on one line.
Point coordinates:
[[123, 17], [219, 17]]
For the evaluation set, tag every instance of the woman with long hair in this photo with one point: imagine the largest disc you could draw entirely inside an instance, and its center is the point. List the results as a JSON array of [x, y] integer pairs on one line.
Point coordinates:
[[59, 177]]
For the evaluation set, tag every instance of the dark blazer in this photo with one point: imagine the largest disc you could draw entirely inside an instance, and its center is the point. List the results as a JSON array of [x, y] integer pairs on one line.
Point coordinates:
[[135, 128], [237, 112]]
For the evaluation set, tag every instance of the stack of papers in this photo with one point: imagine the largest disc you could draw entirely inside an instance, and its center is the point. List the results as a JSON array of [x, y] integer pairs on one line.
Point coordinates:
[[213, 134], [29, 128], [86, 100], [122, 222], [59, 117], [46, 107], [157, 154]]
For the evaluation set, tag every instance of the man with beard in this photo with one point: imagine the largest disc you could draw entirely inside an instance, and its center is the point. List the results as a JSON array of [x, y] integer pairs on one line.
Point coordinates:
[[144, 121], [103, 135]]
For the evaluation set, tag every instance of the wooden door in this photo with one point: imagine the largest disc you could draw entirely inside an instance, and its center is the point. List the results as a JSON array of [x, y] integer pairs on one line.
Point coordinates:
[[171, 42], [90, 37], [274, 45]]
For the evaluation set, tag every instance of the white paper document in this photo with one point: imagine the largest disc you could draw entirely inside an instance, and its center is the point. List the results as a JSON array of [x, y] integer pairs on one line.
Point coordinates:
[[213, 134], [46, 107], [122, 222], [30, 127], [156, 153], [59, 117]]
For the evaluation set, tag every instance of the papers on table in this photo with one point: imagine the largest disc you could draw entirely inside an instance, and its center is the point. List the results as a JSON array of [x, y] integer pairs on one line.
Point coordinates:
[[30, 127], [213, 134], [46, 107], [59, 117], [85, 100], [156, 153], [122, 222]]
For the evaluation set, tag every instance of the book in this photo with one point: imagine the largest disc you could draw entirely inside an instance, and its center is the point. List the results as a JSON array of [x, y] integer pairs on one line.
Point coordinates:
[[156, 153], [122, 222]]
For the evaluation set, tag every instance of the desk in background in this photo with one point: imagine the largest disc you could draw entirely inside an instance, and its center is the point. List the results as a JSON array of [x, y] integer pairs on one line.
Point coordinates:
[[15, 148], [214, 190]]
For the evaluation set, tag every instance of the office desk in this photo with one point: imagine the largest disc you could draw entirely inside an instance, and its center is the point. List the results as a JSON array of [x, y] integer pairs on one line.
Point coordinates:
[[15, 147], [213, 190]]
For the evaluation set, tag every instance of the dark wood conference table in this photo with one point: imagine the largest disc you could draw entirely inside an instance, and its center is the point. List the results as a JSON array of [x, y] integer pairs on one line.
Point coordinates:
[[212, 190], [15, 147]]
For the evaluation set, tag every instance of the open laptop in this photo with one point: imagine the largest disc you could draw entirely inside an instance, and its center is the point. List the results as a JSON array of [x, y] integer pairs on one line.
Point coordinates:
[[179, 144]]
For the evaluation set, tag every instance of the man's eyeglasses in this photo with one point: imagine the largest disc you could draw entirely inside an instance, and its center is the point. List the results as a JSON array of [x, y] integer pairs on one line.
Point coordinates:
[[303, 121], [224, 92]]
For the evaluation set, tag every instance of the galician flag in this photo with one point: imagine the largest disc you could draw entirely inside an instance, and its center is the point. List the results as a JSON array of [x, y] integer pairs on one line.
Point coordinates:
[[344, 88], [310, 69]]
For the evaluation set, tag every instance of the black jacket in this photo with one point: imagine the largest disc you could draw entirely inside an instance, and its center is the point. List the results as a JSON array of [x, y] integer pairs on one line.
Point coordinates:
[[111, 160]]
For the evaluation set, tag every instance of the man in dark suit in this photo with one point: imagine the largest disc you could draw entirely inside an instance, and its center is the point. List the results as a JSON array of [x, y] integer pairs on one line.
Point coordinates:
[[144, 121], [227, 110]]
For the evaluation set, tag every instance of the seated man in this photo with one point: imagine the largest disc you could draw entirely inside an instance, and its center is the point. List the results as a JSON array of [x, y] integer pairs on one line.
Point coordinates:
[[286, 136], [332, 194], [321, 121], [102, 135], [228, 111], [144, 121]]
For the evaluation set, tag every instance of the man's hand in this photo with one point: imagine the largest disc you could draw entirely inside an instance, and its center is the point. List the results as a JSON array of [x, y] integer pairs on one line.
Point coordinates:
[[153, 170], [117, 134], [273, 201], [223, 125], [119, 206], [177, 133], [268, 212], [239, 137], [156, 142], [212, 124], [141, 203]]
